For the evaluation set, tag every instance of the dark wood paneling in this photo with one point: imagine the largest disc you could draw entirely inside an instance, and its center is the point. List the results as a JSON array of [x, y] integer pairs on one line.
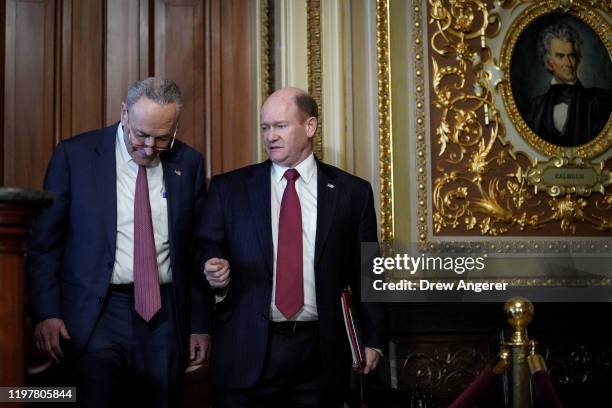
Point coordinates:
[[179, 55], [212, 74], [67, 65], [237, 73], [12, 315], [28, 90], [207, 48], [64, 77], [230, 77], [124, 61], [2, 64], [17, 209], [87, 82]]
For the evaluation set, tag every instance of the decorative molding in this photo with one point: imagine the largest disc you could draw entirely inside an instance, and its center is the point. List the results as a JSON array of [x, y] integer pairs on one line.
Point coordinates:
[[335, 83], [266, 66], [384, 121], [266, 15], [440, 367], [315, 80], [464, 162], [580, 363], [291, 44], [419, 120], [462, 133], [481, 186]]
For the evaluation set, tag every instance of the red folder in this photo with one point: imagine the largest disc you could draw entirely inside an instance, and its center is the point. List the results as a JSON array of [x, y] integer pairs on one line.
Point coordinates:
[[352, 330]]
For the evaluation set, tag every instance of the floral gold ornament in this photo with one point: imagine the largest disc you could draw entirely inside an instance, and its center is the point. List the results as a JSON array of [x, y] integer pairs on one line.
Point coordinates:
[[484, 180], [560, 176], [315, 81], [384, 120]]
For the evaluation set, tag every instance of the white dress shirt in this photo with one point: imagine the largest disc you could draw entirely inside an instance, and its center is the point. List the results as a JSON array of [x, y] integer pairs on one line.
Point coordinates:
[[127, 170], [306, 187], [560, 110]]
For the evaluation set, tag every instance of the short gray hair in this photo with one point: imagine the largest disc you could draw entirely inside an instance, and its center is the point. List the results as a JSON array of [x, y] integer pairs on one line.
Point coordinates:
[[159, 90], [560, 31]]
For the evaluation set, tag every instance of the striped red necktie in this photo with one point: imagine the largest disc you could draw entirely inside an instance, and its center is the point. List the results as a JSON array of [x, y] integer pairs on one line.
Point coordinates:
[[289, 294], [147, 299]]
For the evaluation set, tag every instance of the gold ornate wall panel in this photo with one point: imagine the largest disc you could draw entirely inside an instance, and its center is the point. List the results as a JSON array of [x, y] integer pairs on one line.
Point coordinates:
[[266, 15], [384, 120], [315, 81], [480, 168]]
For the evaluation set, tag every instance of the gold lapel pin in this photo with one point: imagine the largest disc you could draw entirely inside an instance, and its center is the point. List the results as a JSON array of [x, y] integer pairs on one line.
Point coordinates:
[[177, 172]]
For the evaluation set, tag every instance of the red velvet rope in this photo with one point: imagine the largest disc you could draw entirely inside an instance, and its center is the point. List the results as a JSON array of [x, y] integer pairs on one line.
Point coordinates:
[[544, 390], [473, 393]]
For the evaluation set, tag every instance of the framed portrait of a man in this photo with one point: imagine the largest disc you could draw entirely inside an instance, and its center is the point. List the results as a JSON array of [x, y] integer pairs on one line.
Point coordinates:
[[560, 73], [562, 80]]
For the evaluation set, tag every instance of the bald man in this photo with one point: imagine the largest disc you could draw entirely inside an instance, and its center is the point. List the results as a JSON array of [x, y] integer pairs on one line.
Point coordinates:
[[282, 239]]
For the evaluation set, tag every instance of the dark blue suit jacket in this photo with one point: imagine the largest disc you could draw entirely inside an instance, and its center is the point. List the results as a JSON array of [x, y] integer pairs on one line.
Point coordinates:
[[238, 228], [72, 251]]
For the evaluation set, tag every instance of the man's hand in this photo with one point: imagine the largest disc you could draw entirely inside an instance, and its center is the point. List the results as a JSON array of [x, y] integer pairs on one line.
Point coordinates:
[[372, 357], [47, 335], [199, 348], [217, 272]]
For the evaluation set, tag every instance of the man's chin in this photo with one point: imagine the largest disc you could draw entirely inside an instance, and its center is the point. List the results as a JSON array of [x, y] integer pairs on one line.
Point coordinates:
[[569, 79], [276, 157], [144, 161]]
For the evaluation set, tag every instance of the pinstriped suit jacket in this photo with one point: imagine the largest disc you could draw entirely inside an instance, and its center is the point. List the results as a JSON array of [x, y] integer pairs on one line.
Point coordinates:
[[237, 227]]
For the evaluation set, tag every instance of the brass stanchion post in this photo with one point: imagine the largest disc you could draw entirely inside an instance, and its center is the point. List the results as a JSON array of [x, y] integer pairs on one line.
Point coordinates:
[[519, 312]]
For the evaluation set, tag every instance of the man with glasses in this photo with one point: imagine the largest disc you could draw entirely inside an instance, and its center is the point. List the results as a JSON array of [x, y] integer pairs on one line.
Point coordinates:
[[109, 265]]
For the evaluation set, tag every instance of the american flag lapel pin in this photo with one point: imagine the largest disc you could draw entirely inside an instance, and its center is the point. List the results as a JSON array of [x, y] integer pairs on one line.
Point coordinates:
[[177, 172]]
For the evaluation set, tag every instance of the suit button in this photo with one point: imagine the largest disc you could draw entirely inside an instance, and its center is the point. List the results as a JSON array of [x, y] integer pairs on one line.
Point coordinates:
[[100, 300]]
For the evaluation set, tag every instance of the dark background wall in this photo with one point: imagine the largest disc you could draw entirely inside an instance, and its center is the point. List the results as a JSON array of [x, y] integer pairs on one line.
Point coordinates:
[[67, 65]]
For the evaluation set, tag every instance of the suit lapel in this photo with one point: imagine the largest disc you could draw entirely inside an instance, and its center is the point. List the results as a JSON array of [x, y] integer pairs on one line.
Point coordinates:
[[327, 195], [105, 177], [259, 191], [171, 165]]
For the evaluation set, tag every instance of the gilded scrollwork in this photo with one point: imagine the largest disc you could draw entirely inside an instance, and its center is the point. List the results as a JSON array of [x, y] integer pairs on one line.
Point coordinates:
[[419, 119], [314, 66], [482, 185], [266, 16], [384, 120], [562, 175]]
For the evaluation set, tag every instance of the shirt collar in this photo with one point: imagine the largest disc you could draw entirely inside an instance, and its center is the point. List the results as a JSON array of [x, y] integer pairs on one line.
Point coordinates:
[[122, 147], [306, 168], [554, 81]]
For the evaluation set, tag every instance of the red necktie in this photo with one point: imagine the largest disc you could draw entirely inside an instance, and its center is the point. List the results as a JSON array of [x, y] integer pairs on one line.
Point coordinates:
[[289, 296], [147, 300]]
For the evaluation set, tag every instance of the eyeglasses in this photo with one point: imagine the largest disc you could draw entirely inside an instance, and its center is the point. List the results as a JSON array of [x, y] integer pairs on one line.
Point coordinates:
[[160, 143]]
